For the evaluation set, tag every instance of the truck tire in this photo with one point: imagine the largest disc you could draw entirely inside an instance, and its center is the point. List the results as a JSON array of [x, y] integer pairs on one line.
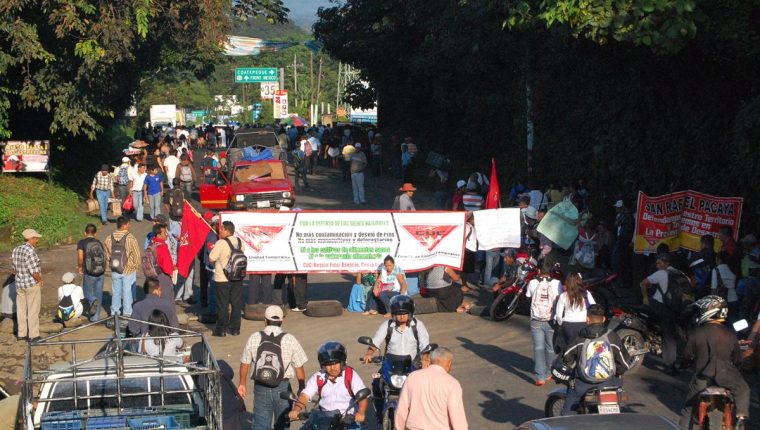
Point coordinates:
[[255, 312], [324, 308], [425, 305]]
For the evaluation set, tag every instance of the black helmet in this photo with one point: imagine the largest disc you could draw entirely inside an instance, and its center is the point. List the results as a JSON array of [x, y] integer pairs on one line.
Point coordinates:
[[331, 352], [711, 308], [402, 305], [560, 371]]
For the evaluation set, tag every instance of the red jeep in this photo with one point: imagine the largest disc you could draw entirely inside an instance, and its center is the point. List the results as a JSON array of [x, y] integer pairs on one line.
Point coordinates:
[[256, 185]]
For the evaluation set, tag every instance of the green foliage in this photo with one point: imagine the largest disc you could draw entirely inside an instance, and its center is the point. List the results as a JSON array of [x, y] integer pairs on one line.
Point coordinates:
[[274, 11], [53, 211]]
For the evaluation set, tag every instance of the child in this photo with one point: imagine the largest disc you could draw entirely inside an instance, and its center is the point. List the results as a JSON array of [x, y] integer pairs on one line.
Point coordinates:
[[70, 299]]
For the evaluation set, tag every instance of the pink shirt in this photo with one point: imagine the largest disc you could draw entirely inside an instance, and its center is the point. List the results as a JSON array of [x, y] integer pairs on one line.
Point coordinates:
[[431, 400]]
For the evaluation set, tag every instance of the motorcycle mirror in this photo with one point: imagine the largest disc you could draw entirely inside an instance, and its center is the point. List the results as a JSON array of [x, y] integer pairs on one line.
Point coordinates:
[[430, 348], [362, 394], [741, 325], [287, 395], [366, 340]]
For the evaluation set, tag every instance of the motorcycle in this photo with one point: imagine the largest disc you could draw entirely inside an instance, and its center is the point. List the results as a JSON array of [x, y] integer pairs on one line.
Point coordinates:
[[641, 333], [607, 289], [318, 419], [509, 297], [600, 400], [388, 381]]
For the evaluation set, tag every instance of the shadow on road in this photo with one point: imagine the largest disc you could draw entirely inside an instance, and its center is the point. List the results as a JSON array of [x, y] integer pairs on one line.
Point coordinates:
[[499, 408], [510, 361]]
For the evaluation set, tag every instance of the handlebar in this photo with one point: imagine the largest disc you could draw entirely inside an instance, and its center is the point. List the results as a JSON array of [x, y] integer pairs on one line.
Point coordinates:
[[375, 360]]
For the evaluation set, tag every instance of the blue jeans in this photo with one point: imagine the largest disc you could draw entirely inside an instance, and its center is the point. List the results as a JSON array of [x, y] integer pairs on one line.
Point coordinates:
[[267, 402], [103, 196], [492, 262], [93, 290], [155, 205], [121, 293], [185, 287], [543, 350], [137, 196]]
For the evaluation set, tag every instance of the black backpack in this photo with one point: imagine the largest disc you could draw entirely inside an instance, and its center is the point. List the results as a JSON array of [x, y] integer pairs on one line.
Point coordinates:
[[237, 264], [678, 286], [176, 203], [65, 308], [268, 368], [94, 258], [118, 254]]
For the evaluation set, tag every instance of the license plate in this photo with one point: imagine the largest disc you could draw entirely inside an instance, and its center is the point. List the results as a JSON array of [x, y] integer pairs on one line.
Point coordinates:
[[264, 204], [609, 409]]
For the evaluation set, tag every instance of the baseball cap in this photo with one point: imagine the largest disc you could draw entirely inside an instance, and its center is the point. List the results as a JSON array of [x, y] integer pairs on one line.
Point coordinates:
[[274, 313], [618, 204], [461, 183], [30, 233], [358, 145], [68, 277], [125, 159]]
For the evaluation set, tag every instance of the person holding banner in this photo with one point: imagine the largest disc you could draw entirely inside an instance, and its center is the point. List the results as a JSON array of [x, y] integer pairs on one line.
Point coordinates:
[[390, 282]]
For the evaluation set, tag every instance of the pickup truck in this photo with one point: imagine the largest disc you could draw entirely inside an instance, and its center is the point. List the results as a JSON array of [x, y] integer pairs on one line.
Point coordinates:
[[241, 184], [119, 389]]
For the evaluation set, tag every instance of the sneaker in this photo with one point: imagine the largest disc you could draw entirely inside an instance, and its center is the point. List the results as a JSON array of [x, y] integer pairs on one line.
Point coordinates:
[[540, 382], [34, 339], [297, 309], [190, 301]]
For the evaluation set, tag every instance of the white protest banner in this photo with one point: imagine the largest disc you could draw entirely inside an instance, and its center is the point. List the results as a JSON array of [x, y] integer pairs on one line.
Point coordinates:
[[349, 241], [497, 228]]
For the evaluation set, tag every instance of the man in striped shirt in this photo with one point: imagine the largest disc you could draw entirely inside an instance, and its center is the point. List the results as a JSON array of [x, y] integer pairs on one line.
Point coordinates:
[[123, 254], [471, 199], [26, 266], [102, 188]]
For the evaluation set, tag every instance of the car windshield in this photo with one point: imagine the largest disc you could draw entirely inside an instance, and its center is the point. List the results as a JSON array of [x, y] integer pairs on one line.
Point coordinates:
[[259, 171], [151, 386]]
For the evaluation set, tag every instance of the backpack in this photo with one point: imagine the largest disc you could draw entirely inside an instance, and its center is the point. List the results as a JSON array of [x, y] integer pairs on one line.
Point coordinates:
[[389, 334], [123, 177], [541, 304], [585, 255], [348, 377], [186, 174], [268, 368], [678, 285], [118, 253], [597, 360], [176, 203], [237, 264], [65, 308], [150, 261], [296, 159], [94, 258], [307, 149]]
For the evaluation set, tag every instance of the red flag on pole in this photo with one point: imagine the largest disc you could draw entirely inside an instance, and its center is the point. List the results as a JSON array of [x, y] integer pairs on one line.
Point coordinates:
[[191, 239], [493, 199]]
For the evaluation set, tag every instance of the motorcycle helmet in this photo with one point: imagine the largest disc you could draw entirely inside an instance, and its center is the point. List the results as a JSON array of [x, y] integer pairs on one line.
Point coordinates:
[[711, 308], [561, 371], [402, 305], [331, 352]]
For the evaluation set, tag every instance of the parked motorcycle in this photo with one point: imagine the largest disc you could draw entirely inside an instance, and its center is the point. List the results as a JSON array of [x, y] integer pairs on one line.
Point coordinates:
[[607, 289], [389, 380], [318, 419], [513, 295], [641, 333], [599, 400]]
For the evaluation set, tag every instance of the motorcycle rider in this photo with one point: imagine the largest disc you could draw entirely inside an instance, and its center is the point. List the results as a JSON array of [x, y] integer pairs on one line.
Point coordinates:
[[589, 360], [403, 334], [335, 384], [714, 349]]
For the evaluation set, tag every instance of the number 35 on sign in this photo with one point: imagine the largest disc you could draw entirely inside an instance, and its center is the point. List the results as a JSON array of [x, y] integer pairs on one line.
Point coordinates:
[[268, 89]]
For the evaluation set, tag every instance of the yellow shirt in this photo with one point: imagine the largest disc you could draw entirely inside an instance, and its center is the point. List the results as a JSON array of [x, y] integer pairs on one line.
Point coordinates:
[[220, 255]]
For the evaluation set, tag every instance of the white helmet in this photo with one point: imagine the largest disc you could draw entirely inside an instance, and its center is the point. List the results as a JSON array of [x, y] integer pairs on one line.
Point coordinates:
[[711, 308], [530, 212]]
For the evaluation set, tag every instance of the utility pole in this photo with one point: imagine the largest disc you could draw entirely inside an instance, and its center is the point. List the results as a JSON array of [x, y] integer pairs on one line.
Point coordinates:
[[311, 78], [337, 90], [319, 80], [295, 74]]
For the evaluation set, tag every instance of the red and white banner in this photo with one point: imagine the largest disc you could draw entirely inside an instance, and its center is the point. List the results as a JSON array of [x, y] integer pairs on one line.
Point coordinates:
[[349, 241], [680, 219], [25, 156]]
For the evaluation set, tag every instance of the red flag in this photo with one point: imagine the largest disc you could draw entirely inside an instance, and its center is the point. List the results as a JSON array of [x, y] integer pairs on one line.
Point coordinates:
[[493, 199], [191, 239]]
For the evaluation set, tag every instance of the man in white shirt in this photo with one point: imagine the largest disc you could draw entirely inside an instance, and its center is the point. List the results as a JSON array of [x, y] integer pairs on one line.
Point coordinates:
[[136, 184], [170, 165], [315, 145], [68, 311], [660, 278]]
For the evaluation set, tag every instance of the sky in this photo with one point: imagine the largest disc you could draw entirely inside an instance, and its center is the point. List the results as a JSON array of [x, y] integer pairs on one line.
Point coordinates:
[[304, 12]]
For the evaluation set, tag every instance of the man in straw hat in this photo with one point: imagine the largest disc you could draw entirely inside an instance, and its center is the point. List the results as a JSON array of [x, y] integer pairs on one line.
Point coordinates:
[[26, 266], [403, 201]]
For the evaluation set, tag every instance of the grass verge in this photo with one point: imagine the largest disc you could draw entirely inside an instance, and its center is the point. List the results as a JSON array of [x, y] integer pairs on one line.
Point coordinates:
[[55, 212]]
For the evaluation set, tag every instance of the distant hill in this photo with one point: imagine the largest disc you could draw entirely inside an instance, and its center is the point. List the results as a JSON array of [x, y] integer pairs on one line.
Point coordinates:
[[259, 27]]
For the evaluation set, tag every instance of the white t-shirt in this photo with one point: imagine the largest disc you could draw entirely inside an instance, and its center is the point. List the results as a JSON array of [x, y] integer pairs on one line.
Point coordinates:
[[660, 278], [170, 164], [536, 199], [554, 290], [315, 143], [77, 295], [138, 181], [334, 395], [565, 312], [729, 281], [171, 346]]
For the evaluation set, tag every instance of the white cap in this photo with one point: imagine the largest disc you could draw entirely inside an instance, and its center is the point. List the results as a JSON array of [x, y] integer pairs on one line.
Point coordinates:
[[30, 233], [357, 145], [68, 277], [125, 159], [274, 313], [530, 212], [461, 183], [618, 204]]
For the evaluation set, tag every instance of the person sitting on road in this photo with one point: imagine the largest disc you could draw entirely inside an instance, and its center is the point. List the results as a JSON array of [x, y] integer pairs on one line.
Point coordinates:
[[336, 384], [161, 340], [444, 284], [71, 301], [595, 358], [390, 282], [715, 351]]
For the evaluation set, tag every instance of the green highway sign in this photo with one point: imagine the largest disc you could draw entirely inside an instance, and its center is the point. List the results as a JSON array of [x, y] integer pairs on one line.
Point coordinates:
[[255, 74]]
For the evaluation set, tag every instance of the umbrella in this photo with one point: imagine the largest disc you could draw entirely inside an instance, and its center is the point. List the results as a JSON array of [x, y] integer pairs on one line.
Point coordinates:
[[138, 144], [294, 120]]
